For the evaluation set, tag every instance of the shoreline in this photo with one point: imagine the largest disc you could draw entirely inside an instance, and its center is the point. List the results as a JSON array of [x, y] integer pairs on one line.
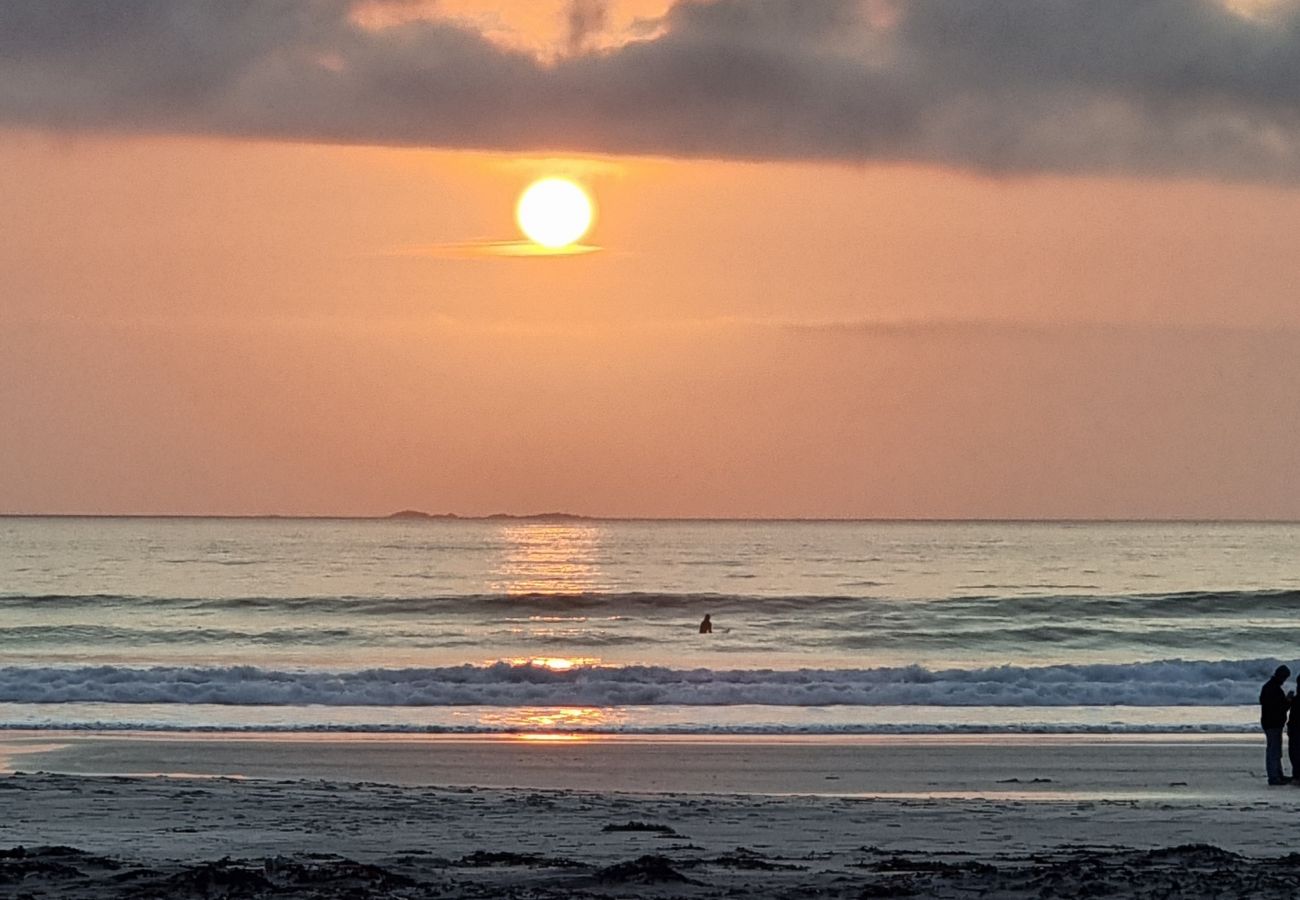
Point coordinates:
[[990, 737], [744, 720], [1175, 766], [581, 518]]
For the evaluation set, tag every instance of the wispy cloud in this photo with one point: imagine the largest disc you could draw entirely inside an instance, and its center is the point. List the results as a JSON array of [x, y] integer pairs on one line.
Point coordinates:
[[488, 250], [968, 329], [1159, 87]]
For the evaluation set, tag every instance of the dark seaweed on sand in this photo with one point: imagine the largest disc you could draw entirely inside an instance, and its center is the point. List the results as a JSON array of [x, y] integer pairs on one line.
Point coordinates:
[[666, 830], [1189, 871]]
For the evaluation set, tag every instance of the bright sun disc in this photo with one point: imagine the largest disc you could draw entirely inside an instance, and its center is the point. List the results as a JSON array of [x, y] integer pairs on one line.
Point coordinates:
[[554, 212]]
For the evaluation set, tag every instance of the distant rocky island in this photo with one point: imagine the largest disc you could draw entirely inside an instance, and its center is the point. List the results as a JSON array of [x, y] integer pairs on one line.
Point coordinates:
[[534, 517]]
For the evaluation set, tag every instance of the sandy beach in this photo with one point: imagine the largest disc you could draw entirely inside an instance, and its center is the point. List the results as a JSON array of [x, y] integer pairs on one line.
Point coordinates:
[[405, 816]]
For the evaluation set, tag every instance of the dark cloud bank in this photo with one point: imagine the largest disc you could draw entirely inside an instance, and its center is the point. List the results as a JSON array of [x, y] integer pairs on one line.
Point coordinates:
[[1166, 87]]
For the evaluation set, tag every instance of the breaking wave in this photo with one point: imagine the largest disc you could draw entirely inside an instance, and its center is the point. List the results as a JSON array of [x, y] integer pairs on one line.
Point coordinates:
[[1173, 682]]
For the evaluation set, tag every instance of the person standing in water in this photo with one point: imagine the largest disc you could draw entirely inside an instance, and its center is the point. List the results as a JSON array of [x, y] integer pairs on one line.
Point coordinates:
[[1273, 707], [706, 627]]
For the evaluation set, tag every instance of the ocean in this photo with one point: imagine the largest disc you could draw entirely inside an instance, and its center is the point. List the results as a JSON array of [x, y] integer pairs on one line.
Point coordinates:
[[482, 626]]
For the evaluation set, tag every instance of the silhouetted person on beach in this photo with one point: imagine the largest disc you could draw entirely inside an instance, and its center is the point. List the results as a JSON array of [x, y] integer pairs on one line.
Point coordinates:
[[706, 627], [1293, 737], [1273, 707]]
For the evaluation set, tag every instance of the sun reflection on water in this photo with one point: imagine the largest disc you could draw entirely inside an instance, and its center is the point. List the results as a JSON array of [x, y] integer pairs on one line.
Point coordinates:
[[556, 723], [555, 663], [549, 559], [552, 559]]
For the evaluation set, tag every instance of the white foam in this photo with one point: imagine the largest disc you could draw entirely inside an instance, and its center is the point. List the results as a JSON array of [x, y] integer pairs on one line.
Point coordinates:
[[1164, 683]]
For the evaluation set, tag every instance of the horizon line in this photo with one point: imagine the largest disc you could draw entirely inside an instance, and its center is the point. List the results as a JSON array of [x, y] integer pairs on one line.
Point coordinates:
[[578, 517]]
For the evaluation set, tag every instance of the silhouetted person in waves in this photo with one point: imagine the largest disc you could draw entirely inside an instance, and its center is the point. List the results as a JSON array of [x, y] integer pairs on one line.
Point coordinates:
[[1273, 707], [706, 627]]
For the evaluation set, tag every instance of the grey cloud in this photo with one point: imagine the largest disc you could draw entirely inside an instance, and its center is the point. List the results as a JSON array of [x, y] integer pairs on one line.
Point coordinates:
[[586, 18], [1165, 87], [769, 21]]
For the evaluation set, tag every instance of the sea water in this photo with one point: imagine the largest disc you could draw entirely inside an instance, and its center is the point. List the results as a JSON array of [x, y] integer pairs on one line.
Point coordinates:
[[585, 625]]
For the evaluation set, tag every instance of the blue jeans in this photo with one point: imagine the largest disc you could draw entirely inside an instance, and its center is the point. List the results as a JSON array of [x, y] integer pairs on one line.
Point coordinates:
[[1273, 754]]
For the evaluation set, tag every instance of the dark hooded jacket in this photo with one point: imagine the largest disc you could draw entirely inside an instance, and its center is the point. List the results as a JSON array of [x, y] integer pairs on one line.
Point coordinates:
[[1273, 704]]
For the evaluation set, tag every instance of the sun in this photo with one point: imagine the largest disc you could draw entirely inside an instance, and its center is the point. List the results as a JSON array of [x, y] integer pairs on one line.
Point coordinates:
[[554, 212]]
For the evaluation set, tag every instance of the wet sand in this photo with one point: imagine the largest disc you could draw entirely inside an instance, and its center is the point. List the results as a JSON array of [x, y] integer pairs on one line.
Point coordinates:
[[1066, 766], [320, 816]]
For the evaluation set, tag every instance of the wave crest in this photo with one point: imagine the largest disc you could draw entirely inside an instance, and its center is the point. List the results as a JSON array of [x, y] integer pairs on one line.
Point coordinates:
[[1173, 682]]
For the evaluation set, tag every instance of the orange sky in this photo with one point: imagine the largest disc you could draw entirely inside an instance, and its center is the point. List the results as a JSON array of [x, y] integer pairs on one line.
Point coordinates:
[[224, 325]]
